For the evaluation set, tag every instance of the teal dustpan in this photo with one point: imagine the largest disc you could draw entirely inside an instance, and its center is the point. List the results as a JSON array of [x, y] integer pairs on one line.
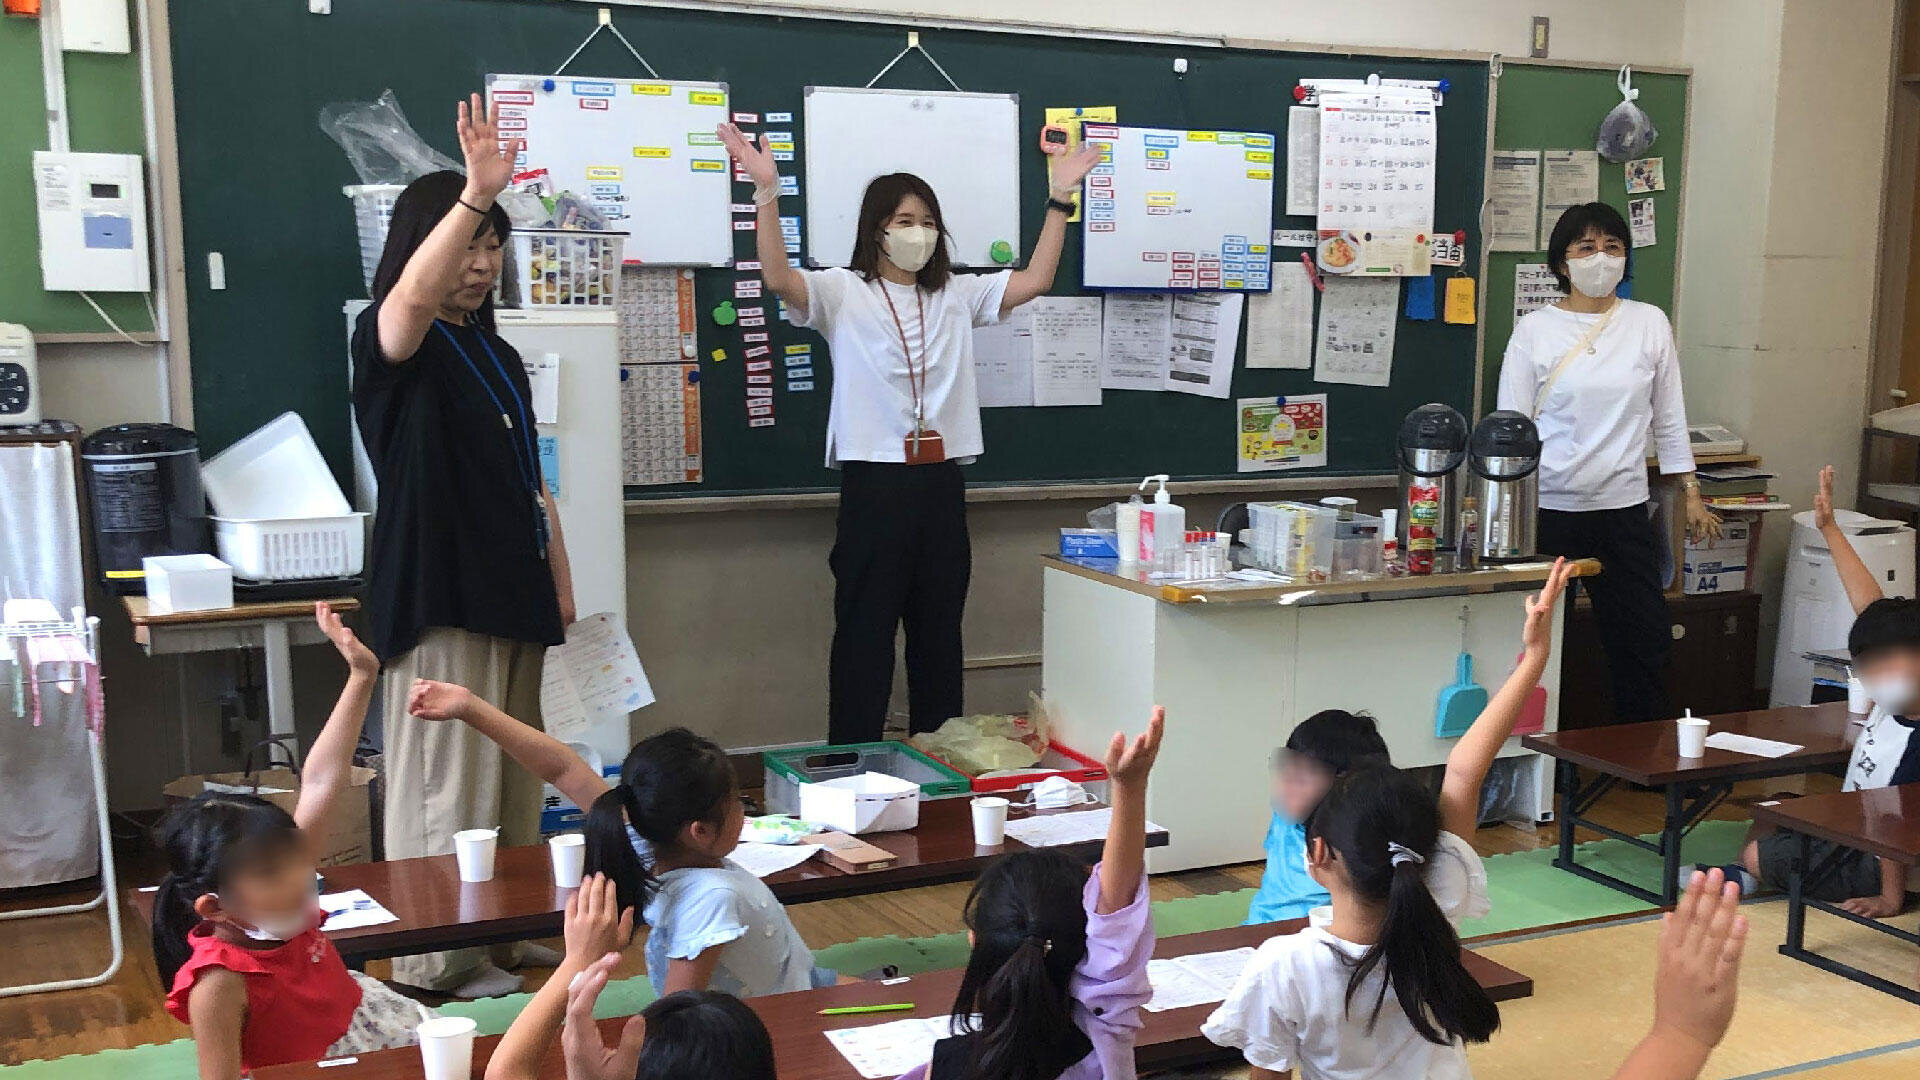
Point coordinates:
[[1459, 704]]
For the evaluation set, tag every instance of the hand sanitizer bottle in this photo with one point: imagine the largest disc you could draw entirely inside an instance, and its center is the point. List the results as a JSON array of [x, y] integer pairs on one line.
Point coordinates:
[[1163, 527]]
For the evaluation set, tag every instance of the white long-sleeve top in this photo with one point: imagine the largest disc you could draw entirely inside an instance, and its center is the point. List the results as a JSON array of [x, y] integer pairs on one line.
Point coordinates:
[[1596, 421]]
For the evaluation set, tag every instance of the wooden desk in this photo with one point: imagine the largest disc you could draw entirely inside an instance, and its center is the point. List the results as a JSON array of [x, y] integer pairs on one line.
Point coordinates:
[[437, 911], [1648, 754], [1168, 1039], [1882, 821], [273, 627]]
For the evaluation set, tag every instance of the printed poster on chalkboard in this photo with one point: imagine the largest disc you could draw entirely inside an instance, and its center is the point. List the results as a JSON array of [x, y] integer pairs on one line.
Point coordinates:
[[1272, 434]]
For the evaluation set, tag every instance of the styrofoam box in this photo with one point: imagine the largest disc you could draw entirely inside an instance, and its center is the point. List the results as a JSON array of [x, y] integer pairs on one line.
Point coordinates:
[[868, 803], [177, 583]]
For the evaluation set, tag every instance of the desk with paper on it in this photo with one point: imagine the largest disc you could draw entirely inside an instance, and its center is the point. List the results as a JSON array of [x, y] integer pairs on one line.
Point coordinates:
[[1054, 830]]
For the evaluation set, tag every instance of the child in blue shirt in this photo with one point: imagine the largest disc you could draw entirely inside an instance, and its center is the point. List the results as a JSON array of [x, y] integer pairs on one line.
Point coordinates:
[[1320, 749]]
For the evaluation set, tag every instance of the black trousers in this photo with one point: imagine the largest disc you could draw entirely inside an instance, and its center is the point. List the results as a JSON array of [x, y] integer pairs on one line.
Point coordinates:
[[1628, 603], [900, 555]]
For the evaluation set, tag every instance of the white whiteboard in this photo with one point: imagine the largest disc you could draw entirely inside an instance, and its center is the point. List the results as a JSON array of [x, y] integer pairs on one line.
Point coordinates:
[[966, 146], [1170, 209], [643, 152]]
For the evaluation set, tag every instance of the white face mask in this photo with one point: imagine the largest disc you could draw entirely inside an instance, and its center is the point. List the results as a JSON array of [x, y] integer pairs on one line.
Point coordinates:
[[1893, 693], [910, 246], [1057, 792], [282, 927], [1597, 274]]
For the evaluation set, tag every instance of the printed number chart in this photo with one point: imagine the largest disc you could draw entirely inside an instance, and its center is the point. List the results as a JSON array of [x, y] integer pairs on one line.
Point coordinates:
[[1184, 210], [644, 153], [659, 424], [656, 316]]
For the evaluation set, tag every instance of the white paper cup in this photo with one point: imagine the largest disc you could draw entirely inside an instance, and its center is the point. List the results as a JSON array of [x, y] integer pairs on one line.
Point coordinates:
[[1858, 703], [1691, 732], [989, 821], [569, 852], [1320, 917], [446, 1047], [473, 850]]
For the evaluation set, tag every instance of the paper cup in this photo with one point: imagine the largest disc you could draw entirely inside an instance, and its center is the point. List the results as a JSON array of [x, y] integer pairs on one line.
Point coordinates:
[[473, 850], [446, 1047], [1691, 732], [569, 851], [1858, 703], [1320, 917], [989, 821]]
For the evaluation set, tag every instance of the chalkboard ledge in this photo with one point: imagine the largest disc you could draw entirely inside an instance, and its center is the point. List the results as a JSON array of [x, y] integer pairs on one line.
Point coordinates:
[[1273, 483]]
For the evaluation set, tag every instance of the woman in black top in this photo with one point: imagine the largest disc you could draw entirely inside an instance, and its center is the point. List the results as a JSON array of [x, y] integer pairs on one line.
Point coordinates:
[[468, 580]]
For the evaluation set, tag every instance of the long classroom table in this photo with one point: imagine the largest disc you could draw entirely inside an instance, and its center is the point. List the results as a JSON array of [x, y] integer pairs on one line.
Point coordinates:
[[438, 911], [801, 1051]]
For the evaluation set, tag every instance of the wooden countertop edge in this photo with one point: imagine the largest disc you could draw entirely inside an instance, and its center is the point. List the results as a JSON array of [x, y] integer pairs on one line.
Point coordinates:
[[136, 607], [1478, 581]]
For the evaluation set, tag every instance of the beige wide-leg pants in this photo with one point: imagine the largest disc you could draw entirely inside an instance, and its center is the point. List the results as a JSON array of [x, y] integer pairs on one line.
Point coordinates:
[[442, 777]]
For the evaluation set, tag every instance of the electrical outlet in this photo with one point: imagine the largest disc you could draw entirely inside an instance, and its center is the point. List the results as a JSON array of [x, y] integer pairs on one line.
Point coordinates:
[[319, 7]]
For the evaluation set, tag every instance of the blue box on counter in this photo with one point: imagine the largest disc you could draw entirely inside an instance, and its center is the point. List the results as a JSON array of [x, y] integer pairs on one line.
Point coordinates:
[[1089, 543], [557, 812]]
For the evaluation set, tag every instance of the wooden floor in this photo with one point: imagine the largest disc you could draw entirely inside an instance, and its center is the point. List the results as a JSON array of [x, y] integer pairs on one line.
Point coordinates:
[[128, 1010]]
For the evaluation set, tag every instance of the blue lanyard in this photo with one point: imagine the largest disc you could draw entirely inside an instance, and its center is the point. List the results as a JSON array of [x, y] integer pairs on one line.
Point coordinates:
[[523, 453]]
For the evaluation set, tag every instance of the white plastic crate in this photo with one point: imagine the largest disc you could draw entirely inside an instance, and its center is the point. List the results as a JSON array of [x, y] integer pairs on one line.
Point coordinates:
[[372, 212], [292, 549], [552, 268]]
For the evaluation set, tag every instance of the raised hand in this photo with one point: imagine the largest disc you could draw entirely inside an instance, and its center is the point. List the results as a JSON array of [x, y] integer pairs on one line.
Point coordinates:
[[1130, 760], [359, 658], [587, 1054], [1698, 978], [1537, 634], [595, 924], [751, 155], [430, 700], [1823, 500], [489, 165], [1071, 168]]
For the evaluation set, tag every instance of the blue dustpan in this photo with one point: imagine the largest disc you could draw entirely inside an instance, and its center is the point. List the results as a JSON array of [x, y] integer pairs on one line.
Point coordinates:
[[1460, 703]]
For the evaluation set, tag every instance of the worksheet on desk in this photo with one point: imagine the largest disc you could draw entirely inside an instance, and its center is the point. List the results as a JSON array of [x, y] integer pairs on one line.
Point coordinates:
[[883, 1051], [1199, 979]]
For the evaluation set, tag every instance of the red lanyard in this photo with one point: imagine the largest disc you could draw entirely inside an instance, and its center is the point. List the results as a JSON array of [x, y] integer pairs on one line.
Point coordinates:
[[919, 417]]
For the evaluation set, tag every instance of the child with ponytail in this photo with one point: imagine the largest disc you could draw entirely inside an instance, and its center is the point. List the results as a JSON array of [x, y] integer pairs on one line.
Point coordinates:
[[1058, 975], [662, 834], [236, 919], [1380, 991]]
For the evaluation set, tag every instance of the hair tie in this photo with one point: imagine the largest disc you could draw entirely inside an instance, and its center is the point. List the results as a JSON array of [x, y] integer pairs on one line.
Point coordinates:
[[1046, 946], [1402, 854]]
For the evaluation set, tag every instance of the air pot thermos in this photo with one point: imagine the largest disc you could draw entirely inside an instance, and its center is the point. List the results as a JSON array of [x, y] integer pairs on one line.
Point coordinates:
[[1432, 444], [143, 483], [1504, 456]]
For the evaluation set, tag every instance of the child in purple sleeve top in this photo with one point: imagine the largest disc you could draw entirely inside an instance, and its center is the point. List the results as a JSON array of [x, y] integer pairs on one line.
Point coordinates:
[[1058, 975]]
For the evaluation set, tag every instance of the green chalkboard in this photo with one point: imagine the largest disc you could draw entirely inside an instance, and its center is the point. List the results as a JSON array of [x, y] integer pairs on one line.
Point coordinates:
[[104, 115], [1540, 107], [263, 184]]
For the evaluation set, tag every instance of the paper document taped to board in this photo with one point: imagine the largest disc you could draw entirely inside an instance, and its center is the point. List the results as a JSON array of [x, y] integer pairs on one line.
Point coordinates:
[[593, 678]]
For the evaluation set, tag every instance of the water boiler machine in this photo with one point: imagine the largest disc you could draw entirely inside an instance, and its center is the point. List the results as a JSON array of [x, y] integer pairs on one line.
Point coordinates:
[[1432, 444], [1503, 458]]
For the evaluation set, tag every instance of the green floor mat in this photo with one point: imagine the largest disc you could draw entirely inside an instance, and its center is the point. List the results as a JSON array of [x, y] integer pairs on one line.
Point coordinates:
[[1527, 891]]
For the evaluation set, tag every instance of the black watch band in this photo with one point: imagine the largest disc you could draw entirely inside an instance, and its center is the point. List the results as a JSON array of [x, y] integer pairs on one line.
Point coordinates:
[[1057, 204]]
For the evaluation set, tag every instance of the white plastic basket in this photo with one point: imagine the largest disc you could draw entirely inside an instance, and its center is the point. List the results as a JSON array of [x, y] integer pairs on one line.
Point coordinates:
[[556, 268], [292, 549], [372, 212]]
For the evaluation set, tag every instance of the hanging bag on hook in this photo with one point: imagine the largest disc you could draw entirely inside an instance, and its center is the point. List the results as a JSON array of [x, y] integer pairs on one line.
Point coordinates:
[[1628, 131]]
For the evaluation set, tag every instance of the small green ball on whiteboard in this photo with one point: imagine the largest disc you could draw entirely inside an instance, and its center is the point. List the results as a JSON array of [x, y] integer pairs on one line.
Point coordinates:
[[724, 314], [1002, 252]]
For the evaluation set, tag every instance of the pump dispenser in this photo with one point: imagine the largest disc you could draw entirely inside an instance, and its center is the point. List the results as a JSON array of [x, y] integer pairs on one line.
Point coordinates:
[[1163, 526]]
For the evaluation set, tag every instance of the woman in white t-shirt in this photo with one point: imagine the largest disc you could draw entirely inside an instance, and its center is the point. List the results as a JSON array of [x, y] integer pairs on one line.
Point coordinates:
[[1599, 374], [904, 417]]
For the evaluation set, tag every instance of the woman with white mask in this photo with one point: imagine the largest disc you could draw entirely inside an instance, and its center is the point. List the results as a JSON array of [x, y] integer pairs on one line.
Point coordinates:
[[904, 417], [1600, 377]]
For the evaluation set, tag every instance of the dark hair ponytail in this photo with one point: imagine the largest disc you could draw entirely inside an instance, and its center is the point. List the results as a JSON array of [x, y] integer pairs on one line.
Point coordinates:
[[704, 1033], [668, 781], [1030, 931], [205, 841], [1385, 826]]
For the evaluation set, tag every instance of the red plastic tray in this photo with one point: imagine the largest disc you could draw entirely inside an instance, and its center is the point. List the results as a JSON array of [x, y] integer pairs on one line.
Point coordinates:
[[1082, 770]]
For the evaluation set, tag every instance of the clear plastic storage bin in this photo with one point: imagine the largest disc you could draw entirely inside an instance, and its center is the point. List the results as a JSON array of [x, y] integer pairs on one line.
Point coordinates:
[[786, 770], [1356, 547], [549, 268], [372, 212], [1293, 538]]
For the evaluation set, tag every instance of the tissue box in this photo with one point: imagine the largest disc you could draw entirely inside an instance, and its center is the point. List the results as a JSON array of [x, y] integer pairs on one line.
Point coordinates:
[[1089, 543], [867, 803], [177, 583], [1718, 566]]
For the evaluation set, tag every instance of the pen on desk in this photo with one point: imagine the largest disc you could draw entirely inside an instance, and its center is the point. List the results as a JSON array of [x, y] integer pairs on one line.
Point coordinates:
[[856, 1010]]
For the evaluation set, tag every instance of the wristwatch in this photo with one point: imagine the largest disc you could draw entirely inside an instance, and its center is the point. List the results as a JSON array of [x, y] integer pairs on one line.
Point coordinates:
[[1063, 205]]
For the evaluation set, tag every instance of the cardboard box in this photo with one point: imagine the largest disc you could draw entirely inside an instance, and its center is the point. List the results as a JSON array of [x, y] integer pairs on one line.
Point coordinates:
[[177, 583], [869, 802], [1719, 565], [349, 835]]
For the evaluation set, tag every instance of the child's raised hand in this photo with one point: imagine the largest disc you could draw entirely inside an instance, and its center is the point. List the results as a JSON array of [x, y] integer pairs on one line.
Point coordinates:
[[431, 700], [359, 658], [595, 925], [587, 1054], [1129, 760], [1537, 634], [1823, 500], [1698, 978]]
